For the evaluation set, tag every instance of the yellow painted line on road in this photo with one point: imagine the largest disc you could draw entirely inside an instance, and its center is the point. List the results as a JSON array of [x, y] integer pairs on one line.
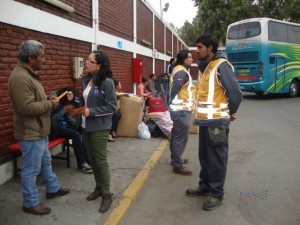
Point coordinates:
[[134, 187]]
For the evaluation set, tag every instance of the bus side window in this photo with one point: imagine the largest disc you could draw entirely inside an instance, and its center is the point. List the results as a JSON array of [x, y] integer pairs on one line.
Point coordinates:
[[272, 60]]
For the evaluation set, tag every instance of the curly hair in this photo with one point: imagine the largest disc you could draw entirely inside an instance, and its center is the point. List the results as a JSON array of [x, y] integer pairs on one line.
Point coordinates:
[[181, 56], [105, 70]]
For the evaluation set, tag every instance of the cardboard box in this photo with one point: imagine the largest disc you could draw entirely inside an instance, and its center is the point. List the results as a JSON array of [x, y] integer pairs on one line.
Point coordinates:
[[131, 108]]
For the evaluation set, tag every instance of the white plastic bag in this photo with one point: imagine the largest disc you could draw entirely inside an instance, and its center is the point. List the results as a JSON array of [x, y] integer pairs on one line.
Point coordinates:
[[143, 131]]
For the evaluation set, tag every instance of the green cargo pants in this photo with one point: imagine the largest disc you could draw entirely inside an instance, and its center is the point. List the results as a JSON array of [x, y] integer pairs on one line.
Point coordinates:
[[95, 144]]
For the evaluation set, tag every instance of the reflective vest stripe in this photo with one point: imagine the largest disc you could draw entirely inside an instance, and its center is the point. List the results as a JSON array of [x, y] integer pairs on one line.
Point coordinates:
[[209, 109], [178, 103], [211, 87]]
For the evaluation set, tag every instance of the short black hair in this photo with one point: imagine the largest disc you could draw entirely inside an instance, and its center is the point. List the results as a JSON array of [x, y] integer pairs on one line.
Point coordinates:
[[152, 75], [172, 60], [208, 40]]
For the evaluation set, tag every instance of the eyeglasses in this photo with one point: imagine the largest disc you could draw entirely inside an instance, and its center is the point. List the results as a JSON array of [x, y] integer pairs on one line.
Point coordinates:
[[90, 61]]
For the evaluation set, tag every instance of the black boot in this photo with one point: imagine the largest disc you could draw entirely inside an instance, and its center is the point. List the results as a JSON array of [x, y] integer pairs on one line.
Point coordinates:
[[96, 194], [106, 202]]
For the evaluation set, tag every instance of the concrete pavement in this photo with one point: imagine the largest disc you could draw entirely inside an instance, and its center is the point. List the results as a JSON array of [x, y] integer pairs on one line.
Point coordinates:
[[262, 184], [131, 161]]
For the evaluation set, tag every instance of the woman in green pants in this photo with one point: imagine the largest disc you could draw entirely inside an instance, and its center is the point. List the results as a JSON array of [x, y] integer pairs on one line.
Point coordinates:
[[99, 101]]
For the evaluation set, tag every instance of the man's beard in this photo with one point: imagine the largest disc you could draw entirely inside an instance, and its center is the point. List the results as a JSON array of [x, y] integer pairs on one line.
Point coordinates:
[[203, 58]]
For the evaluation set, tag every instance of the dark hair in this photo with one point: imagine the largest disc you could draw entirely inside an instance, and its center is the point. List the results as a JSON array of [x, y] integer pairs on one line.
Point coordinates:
[[144, 79], [172, 60], [152, 75], [105, 70], [64, 100], [116, 83], [181, 56], [208, 40], [29, 48]]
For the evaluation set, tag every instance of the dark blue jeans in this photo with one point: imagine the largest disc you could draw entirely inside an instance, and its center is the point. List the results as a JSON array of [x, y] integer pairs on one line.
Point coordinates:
[[213, 162], [60, 131], [115, 121]]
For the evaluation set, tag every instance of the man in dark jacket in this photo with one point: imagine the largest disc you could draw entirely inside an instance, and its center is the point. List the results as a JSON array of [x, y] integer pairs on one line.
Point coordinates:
[[32, 127], [217, 102]]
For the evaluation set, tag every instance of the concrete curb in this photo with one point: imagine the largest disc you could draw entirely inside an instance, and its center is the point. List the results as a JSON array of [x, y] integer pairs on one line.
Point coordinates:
[[134, 187]]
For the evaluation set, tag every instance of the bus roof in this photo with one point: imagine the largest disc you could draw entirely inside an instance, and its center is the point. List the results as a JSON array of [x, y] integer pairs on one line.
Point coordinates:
[[261, 19]]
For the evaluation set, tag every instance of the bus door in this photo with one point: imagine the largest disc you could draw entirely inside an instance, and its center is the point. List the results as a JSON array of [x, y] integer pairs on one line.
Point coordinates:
[[279, 75]]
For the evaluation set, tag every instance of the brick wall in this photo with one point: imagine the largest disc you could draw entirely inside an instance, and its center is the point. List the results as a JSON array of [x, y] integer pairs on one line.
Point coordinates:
[[159, 35], [56, 73], [195, 56], [147, 65], [159, 67], [122, 67], [116, 18], [144, 27], [194, 69], [194, 72], [169, 42], [175, 49], [82, 14]]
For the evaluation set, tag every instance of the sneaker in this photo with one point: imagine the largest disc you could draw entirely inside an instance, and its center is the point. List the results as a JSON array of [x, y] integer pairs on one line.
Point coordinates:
[[212, 203], [199, 191], [85, 168], [110, 139]]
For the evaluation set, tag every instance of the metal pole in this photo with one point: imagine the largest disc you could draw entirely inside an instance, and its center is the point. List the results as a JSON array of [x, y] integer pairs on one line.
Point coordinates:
[[161, 9]]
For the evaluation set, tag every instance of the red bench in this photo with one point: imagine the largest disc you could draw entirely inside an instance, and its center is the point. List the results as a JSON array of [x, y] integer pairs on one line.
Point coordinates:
[[16, 149]]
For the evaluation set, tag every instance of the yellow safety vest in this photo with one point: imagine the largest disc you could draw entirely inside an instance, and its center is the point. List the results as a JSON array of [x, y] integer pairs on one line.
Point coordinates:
[[184, 100], [211, 102]]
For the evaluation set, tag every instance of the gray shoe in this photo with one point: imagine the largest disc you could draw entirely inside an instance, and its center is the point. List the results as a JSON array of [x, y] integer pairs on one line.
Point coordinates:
[[199, 191], [85, 168], [212, 203]]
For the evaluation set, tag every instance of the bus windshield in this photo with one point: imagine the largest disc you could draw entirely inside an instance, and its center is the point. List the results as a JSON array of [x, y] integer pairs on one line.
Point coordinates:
[[244, 30]]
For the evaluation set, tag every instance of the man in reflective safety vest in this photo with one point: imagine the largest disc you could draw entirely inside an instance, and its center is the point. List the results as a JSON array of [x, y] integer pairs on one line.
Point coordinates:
[[218, 99], [181, 105]]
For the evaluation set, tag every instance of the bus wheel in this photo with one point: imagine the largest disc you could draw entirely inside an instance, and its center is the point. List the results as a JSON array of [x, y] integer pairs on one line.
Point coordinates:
[[259, 93], [294, 89]]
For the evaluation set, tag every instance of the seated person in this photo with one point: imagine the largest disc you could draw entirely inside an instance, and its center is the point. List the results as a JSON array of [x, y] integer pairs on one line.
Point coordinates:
[[142, 92], [63, 125], [151, 84], [116, 115]]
